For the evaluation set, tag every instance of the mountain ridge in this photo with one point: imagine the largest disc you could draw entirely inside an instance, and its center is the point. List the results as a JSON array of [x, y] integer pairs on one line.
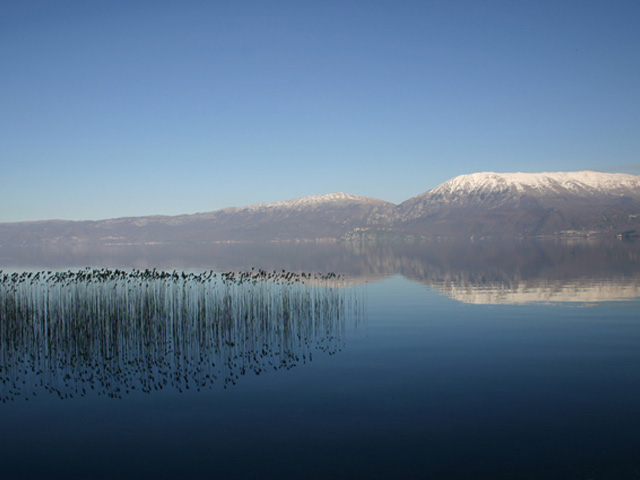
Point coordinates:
[[479, 205]]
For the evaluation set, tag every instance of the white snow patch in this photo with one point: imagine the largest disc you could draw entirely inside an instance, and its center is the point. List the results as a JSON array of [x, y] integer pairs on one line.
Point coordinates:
[[584, 182], [316, 200]]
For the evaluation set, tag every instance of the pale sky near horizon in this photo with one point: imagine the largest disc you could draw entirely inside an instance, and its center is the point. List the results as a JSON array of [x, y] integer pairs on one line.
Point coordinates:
[[128, 108]]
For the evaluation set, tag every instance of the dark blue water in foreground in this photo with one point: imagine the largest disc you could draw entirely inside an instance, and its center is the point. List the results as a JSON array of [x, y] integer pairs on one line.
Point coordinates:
[[420, 386]]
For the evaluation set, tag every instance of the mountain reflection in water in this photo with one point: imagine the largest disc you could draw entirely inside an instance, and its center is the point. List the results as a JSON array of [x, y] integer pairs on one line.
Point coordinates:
[[523, 271], [115, 332]]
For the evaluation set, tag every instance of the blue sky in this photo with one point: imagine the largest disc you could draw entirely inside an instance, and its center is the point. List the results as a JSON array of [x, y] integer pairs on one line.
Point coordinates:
[[126, 108]]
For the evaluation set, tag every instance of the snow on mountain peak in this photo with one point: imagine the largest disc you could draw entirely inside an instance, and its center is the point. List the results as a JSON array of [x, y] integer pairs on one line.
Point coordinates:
[[318, 200], [583, 182]]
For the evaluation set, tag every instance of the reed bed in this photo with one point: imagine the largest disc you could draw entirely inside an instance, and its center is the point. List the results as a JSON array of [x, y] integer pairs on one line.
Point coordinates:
[[114, 332]]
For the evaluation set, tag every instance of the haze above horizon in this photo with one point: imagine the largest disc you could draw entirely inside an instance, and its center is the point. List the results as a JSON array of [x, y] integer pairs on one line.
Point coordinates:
[[141, 108]]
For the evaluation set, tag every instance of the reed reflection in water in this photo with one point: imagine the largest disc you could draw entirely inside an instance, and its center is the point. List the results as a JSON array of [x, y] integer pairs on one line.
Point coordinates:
[[116, 332]]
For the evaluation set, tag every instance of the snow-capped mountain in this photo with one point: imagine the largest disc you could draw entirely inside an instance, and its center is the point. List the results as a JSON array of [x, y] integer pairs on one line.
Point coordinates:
[[318, 216], [493, 189], [477, 206], [580, 183], [525, 204]]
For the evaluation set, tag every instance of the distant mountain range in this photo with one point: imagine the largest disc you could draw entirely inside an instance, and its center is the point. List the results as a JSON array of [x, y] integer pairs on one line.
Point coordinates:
[[480, 205]]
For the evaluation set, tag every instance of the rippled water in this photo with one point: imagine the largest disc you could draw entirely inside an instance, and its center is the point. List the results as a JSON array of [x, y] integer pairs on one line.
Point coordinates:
[[516, 361]]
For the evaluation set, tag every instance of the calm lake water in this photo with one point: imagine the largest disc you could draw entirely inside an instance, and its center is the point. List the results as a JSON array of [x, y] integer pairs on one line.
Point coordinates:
[[442, 360]]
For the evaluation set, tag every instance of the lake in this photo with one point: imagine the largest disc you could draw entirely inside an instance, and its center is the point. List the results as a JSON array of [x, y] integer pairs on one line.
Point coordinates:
[[445, 360]]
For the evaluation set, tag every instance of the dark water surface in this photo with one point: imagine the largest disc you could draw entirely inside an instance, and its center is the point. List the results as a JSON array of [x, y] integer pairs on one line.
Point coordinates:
[[518, 361]]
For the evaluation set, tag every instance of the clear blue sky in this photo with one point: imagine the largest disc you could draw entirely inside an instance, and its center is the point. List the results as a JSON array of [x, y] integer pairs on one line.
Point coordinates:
[[126, 108]]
